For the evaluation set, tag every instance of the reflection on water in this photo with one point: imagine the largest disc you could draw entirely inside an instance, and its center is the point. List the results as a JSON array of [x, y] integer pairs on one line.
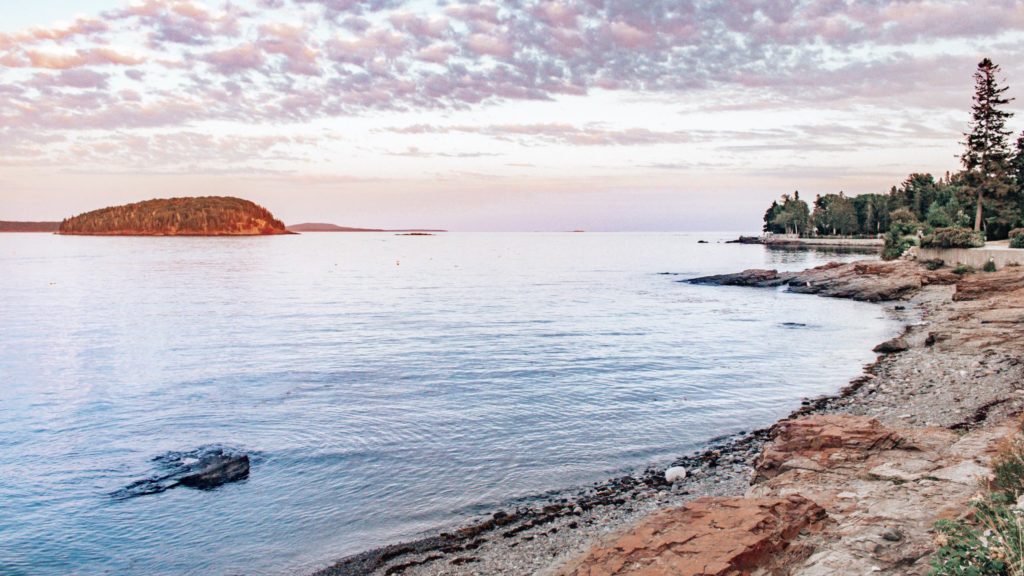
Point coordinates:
[[384, 385], [811, 256]]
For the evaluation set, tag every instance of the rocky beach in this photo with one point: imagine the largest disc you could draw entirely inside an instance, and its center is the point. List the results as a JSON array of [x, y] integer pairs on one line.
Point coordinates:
[[851, 483]]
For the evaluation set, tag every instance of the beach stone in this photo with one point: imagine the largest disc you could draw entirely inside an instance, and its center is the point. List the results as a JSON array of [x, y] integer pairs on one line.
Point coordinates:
[[675, 474], [894, 346]]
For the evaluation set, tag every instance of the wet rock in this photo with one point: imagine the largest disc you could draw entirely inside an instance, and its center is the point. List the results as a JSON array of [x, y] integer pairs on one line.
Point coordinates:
[[894, 346], [218, 469], [204, 468], [753, 277]]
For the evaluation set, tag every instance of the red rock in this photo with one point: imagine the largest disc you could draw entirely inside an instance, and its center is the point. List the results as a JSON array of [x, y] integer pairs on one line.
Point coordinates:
[[707, 537], [820, 442]]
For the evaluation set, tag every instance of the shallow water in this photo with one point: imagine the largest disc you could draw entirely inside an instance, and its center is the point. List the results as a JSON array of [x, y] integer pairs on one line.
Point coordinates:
[[384, 385]]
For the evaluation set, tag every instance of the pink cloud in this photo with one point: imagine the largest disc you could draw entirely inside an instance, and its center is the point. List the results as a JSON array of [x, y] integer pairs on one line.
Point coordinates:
[[490, 45], [237, 60]]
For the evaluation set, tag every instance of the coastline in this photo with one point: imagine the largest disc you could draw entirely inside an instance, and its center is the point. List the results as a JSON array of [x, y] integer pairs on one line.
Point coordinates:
[[539, 539]]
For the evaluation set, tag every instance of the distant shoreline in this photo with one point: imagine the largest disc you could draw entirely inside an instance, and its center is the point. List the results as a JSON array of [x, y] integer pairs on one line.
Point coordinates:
[[327, 227], [789, 240], [29, 227]]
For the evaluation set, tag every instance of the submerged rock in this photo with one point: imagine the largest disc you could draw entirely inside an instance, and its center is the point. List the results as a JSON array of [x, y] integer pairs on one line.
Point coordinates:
[[204, 468], [216, 470]]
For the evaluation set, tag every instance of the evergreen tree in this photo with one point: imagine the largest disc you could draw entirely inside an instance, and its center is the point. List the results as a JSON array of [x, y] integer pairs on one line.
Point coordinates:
[[1017, 165], [987, 154]]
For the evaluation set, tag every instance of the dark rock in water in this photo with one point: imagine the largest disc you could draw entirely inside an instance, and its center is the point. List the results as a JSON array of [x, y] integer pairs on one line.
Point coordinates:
[[893, 346], [203, 468], [794, 325], [702, 241], [216, 470], [759, 278], [747, 240]]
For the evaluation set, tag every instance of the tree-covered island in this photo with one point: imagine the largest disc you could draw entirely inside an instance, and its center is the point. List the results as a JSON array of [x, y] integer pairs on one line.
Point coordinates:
[[200, 216]]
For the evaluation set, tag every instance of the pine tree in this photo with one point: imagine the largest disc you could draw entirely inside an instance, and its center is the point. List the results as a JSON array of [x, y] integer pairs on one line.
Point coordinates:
[[986, 159], [1017, 165]]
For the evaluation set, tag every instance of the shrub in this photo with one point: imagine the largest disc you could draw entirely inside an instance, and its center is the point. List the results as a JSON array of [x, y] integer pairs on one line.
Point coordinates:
[[963, 551], [962, 269], [993, 544], [899, 237], [895, 245], [953, 238], [1008, 467], [1017, 238], [989, 266]]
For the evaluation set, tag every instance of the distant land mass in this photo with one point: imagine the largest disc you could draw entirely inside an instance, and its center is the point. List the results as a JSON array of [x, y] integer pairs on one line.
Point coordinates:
[[323, 227], [200, 216], [9, 226]]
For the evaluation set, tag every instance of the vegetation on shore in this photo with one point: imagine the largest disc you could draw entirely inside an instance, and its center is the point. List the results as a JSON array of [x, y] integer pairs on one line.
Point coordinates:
[[991, 541], [988, 193], [201, 216]]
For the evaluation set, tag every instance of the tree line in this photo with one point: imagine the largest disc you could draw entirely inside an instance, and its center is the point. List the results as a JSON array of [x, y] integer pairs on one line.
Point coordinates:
[[987, 193]]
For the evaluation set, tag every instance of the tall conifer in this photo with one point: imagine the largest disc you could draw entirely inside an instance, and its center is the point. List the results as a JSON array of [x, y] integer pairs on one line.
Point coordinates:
[[986, 159]]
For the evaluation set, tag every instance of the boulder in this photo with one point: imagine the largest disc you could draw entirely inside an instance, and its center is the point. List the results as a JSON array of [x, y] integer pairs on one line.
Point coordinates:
[[894, 346]]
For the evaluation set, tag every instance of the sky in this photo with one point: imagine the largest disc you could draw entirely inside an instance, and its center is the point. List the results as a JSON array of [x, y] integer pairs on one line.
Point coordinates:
[[520, 115]]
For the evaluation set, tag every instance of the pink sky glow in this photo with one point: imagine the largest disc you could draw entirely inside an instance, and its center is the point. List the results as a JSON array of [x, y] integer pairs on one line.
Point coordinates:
[[524, 115]]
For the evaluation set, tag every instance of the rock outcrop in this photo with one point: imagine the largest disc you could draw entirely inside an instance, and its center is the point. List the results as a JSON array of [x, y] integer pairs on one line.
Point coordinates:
[[883, 489], [985, 285], [832, 494], [870, 281], [203, 468], [817, 442], [707, 537]]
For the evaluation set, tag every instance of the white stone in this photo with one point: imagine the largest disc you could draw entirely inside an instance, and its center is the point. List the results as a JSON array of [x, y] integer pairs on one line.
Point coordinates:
[[675, 474]]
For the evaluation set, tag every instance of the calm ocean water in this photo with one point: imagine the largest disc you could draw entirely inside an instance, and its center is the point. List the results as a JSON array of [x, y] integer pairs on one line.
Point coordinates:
[[385, 385]]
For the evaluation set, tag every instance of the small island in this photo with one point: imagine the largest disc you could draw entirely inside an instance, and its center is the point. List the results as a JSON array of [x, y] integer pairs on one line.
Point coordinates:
[[199, 216]]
